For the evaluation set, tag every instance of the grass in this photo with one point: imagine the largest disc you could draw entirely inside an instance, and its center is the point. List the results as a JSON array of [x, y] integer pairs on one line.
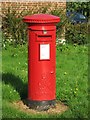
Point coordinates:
[[71, 80]]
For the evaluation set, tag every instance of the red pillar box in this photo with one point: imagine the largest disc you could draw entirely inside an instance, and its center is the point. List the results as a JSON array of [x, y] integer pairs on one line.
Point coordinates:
[[41, 60]]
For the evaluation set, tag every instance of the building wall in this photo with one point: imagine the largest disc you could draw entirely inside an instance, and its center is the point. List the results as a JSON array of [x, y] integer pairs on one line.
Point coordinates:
[[20, 5]]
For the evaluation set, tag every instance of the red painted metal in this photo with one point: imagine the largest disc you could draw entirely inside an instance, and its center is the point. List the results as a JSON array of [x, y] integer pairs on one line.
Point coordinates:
[[41, 72], [41, 18]]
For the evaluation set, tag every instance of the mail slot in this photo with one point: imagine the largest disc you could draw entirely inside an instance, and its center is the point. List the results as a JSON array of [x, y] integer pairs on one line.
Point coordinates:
[[41, 60], [44, 38]]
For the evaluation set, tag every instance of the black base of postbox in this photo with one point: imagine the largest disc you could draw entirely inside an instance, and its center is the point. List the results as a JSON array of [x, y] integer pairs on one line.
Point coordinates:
[[41, 105]]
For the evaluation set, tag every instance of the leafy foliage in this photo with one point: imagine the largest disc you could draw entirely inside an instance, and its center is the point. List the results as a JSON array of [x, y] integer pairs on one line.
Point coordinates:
[[77, 34], [82, 7], [14, 30]]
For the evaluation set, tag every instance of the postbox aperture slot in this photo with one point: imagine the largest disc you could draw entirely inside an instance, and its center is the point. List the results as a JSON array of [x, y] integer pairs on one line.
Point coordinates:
[[47, 36], [44, 38]]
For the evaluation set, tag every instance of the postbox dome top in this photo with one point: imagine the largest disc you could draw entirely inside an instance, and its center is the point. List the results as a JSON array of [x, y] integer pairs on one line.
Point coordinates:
[[41, 18]]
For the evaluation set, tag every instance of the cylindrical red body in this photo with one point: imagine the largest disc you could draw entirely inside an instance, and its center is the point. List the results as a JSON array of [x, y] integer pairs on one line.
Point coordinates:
[[41, 75], [41, 57]]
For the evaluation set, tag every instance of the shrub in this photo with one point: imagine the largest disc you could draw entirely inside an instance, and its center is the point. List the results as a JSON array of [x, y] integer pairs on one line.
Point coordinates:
[[63, 21], [73, 33], [14, 30], [76, 34]]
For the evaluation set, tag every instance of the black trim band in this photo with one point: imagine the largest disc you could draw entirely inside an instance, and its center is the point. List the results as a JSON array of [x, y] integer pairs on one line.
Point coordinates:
[[41, 105]]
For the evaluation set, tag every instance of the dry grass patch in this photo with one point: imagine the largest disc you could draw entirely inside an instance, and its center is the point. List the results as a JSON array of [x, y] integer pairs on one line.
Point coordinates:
[[58, 109]]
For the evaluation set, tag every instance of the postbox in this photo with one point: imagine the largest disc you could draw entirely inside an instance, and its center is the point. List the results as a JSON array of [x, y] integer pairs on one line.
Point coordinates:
[[41, 60]]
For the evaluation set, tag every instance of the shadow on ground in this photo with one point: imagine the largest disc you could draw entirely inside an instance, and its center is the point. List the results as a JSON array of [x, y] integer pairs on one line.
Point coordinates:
[[16, 82], [21, 88]]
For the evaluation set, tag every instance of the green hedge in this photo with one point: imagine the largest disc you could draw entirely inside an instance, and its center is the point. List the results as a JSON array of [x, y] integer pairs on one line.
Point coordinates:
[[77, 33], [15, 30]]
